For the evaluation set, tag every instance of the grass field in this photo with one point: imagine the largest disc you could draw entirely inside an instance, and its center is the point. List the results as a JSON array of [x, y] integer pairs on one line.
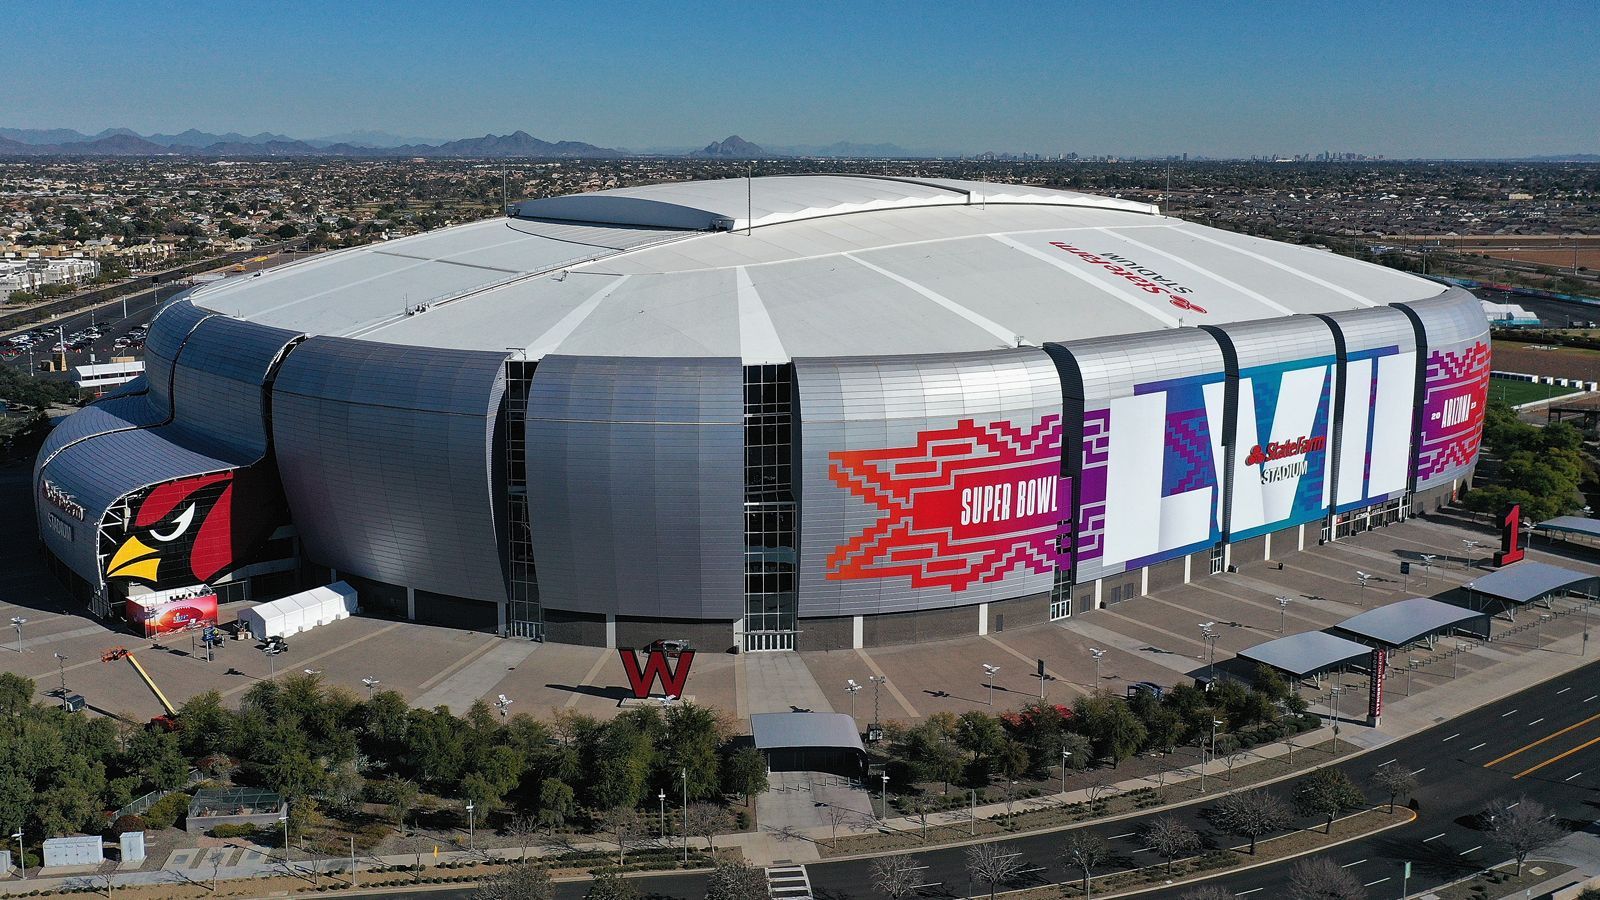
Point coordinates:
[[1519, 392]]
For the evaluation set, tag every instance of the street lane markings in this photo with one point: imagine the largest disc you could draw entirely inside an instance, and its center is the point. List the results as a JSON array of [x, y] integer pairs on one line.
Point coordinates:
[[1451, 738], [1572, 776], [1251, 891], [788, 883], [1473, 850], [1557, 758], [1590, 697], [1356, 863], [1434, 838], [1379, 881], [1475, 746], [1563, 691], [1387, 761], [1549, 737], [1536, 721], [1420, 771], [1118, 837]]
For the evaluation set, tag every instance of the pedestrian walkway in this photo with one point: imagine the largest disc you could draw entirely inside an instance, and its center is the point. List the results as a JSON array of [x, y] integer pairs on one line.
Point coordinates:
[[788, 883]]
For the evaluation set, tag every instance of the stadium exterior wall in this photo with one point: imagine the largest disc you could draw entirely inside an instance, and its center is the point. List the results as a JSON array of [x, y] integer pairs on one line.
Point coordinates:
[[937, 495]]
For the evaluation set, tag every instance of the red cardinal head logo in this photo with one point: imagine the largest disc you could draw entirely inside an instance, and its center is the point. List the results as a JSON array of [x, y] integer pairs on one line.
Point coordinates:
[[183, 530]]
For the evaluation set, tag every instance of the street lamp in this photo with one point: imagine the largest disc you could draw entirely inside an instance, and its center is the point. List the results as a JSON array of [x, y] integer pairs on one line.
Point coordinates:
[[503, 703], [1471, 546], [1065, 755], [1283, 607], [371, 683], [1098, 654], [1362, 577], [1336, 690], [22, 855], [61, 668], [662, 796], [472, 827], [885, 777], [990, 670], [285, 820], [877, 685], [1427, 565], [17, 622], [851, 688], [1209, 638], [686, 814], [1214, 723]]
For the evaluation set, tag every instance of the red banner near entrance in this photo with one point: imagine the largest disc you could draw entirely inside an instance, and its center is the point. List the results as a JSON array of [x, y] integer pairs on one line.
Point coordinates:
[[1380, 670]]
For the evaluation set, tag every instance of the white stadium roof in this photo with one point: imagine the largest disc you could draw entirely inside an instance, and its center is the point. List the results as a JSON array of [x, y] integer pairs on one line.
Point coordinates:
[[803, 266]]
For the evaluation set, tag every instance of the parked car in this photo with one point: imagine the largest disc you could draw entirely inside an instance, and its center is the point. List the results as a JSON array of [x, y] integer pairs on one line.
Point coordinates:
[[1146, 687], [670, 647]]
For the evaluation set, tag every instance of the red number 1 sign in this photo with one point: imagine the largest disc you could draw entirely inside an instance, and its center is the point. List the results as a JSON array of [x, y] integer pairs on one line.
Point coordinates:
[[1510, 537]]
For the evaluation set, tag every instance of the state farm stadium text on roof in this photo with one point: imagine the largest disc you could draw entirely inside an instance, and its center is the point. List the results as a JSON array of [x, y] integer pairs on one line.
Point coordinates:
[[794, 412]]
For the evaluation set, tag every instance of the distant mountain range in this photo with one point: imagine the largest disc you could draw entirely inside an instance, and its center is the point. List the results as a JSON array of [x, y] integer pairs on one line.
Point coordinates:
[[377, 144]]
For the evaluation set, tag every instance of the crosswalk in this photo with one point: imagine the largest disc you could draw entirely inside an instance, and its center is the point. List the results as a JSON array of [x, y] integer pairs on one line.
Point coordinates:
[[788, 883]]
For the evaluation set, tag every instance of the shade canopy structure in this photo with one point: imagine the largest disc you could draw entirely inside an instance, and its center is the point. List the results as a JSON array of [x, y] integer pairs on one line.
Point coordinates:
[[810, 742], [1306, 654], [1569, 527], [1529, 582], [1408, 621]]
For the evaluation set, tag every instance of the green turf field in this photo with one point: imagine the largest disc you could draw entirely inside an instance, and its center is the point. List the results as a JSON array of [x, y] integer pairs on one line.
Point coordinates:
[[1518, 392]]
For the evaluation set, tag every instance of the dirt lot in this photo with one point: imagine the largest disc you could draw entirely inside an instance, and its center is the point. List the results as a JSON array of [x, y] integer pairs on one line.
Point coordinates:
[[1560, 362]]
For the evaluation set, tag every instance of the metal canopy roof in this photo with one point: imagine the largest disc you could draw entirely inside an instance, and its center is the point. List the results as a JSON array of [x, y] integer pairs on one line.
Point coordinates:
[[1306, 653], [1571, 525], [1527, 581], [835, 266], [777, 731], [1398, 624]]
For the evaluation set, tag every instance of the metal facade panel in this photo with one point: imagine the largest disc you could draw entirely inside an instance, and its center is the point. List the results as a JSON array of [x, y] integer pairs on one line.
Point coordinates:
[[1455, 386], [1146, 452], [1280, 453], [1378, 385], [636, 485], [387, 460], [928, 482], [168, 331], [218, 384]]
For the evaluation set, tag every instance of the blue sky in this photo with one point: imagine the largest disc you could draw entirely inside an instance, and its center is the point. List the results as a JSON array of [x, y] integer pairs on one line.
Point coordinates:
[[1412, 78]]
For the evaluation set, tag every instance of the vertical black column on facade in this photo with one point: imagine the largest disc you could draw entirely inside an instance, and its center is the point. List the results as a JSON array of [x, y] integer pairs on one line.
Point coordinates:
[[770, 526], [524, 617]]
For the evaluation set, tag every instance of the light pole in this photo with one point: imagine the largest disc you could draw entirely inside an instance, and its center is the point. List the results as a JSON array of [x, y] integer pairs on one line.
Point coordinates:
[[503, 703], [972, 812], [22, 856], [885, 777], [1065, 755], [1098, 654], [1427, 565], [371, 683], [17, 622], [877, 684], [851, 688], [1336, 690], [1362, 577], [1214, 723], [663, 798], [1209, 638], [285, 820], [1283, 607], [61, 668], [1471, 546], [472, 827], [686, 815], [990, 670]]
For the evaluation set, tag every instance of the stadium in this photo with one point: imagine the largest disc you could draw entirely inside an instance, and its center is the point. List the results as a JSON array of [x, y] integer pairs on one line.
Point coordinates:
[[797, 412]]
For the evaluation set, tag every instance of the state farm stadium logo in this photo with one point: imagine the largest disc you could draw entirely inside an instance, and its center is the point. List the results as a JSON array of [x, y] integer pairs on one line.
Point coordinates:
[[1296, 449], [1142, 277], [62, 500], [961, 505]]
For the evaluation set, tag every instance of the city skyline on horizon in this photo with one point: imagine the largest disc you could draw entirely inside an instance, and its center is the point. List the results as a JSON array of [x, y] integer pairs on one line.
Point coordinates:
[[1423, 81]]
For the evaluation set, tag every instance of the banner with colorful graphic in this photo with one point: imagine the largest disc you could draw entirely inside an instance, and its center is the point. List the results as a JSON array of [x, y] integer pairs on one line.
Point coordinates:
[[961, 505], [169, 611], [1375, 431], [1455, 395], [1150, 487], [191, 530], [1280, 457]]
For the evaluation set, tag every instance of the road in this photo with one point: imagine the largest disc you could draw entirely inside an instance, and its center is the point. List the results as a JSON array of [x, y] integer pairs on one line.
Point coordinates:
[[1542, 743]]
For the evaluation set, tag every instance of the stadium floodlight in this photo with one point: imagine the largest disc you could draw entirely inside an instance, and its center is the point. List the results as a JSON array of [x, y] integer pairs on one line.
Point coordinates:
[[503, 703], [17, 622], [990, 671], [371, 683], [1098, 654], [851, 688], [1283, 607], [1471, 545]]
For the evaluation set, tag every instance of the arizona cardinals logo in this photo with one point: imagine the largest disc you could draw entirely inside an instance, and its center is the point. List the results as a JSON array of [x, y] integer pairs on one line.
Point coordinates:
[[182, 530]]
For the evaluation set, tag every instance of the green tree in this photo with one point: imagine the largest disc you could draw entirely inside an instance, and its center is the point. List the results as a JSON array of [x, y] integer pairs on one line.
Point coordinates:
[[1327, 793], [556, 803], [207, 726], [156, 756], [745, 773], [689, 740], [1250, 814], [1393, 781], [1112, 727], [611, 886], [979, 734]]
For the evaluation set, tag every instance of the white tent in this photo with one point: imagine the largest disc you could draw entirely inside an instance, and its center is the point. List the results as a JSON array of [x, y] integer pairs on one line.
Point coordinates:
[[300, 612]]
